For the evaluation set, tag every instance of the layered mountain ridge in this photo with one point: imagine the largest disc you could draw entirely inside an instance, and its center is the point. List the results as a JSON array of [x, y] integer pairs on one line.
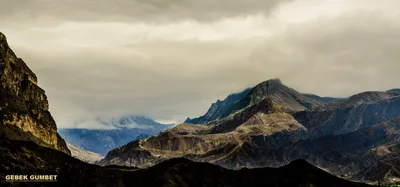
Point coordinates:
[[272, 89], [179, 172], [86, 156], [271, 125]]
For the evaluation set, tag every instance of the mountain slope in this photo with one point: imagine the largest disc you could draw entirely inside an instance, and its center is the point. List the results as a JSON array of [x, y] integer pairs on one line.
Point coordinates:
[[322, 99], [219, 108], [23, 103], [83, 155], [207, 143], [387, 170], [273, 89], [363, 98], [24, 158], [336, 135], [350, 118]]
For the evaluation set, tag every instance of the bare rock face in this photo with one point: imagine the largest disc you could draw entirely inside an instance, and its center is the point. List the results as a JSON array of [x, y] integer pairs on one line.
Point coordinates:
[[230, 142], [273, 90], [83, 155], [23, 103]]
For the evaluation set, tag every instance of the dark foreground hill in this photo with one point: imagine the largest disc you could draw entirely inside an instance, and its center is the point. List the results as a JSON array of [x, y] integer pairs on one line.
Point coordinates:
[[26, 157]]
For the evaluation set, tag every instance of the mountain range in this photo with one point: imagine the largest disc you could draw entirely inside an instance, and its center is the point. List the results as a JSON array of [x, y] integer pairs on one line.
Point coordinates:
[[30, 145], [271, 125], [124, 130]]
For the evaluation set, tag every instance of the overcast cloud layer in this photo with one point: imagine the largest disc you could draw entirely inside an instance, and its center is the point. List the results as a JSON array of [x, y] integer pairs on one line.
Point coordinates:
[[171, 59]]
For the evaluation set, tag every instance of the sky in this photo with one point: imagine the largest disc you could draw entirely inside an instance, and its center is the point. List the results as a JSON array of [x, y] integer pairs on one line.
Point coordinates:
[[169, 60]]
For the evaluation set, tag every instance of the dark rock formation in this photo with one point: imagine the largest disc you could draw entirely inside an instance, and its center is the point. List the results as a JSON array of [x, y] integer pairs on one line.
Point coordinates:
[[23, 103], [348, 119]]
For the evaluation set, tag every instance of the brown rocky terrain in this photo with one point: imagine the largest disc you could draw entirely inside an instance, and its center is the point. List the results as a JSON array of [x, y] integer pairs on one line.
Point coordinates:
[[272, 125], [273, 89], [228, 135], [84, 155], [23, 103]]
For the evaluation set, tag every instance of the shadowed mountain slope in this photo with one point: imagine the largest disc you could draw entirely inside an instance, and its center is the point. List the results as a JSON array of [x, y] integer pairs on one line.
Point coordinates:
[[83, 155], [273, 89], [21, 157], [23, 103]]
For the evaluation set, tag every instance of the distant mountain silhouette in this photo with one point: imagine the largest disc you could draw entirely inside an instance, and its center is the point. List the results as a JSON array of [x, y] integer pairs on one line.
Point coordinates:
[[127, 129]]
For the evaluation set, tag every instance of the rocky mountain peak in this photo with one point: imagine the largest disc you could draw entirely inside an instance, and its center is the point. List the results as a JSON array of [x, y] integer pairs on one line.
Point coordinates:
[[272, 82], [282, 95], [2, 38], [272, 89], [394, 92]]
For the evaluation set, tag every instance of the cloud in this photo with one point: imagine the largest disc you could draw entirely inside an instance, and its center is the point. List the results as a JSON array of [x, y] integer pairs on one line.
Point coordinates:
[[51, 12], [344, 55], [92, 124], [171, 61]]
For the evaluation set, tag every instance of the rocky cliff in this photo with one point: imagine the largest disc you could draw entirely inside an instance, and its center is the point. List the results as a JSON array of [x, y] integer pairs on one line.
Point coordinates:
[[23, 103]]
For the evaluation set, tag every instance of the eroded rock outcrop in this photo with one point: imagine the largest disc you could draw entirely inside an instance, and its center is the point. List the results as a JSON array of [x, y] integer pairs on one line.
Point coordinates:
[[83, 155], [23, 103], [272, 89], [230, 142]]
